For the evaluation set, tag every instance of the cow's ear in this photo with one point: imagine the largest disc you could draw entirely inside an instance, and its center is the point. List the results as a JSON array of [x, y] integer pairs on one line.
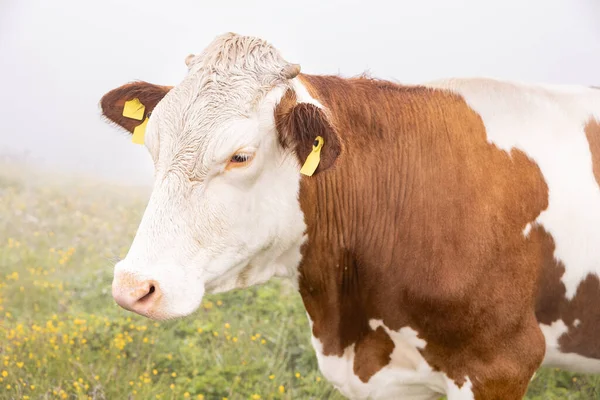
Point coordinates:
[[148, 95], [299, 126]]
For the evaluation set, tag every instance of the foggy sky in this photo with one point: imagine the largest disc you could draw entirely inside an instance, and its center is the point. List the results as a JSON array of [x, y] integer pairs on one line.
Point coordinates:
[[58, 58]]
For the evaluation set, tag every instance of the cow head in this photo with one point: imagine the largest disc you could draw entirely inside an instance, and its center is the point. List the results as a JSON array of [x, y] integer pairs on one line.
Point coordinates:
[[227, 145]]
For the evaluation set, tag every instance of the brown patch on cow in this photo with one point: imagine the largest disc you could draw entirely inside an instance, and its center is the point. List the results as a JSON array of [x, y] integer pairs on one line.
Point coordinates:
[[112, 103], [582, 338], [552, 304], [550, 299], [420, 224], [592, 132], [372, 353]]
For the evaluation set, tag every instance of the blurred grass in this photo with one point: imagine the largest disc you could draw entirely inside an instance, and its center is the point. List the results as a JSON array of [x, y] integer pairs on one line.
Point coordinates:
[[62, 336]]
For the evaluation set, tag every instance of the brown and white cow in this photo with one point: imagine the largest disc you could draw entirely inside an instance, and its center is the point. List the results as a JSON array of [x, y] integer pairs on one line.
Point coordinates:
[[447, 243]]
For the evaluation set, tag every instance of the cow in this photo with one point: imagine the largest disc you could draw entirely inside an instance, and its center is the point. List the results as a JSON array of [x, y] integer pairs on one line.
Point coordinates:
[[444, 237]]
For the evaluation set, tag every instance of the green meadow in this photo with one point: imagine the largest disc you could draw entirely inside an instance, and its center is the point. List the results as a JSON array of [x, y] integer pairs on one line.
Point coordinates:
[[63, 337]]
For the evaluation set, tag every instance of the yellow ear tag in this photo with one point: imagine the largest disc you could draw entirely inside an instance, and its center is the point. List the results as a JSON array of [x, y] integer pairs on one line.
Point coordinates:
[[313, 159], [134, 109], [139, 132]]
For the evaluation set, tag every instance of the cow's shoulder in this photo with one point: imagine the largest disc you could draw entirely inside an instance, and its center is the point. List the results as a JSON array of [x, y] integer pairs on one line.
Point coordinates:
[[558, 127]]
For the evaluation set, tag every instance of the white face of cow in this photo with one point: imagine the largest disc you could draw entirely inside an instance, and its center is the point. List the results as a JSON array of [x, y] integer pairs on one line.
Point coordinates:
[[224, 210]]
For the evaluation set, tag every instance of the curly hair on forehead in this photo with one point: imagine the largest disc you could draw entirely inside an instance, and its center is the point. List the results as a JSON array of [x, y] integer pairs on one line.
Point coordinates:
[[233, 74], [233, 53]]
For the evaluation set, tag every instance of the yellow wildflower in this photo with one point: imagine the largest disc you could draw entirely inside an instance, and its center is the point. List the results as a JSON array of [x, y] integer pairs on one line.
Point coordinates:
[[281, 389], [186, 395], [255, 397], [271, 377]]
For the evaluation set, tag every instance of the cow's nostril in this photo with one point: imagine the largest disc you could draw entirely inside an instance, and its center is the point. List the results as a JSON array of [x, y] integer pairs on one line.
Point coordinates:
[[148, 295]]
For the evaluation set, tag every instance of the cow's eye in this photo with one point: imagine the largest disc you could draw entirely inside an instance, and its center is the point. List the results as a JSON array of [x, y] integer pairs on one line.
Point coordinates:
[[240, 160]]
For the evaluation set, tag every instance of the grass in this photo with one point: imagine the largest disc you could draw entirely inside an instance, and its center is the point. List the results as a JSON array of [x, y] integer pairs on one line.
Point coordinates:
[[62, 336]]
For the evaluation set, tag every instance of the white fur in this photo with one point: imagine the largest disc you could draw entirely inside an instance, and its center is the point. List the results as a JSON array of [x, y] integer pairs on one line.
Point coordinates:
[[526, 230], [206, 228], [407, 376], [547, 123], [569, 361], [552, 333], [302, 94]]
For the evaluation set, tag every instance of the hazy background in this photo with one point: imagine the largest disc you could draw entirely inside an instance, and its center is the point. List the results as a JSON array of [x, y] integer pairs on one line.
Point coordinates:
[[57, 58]]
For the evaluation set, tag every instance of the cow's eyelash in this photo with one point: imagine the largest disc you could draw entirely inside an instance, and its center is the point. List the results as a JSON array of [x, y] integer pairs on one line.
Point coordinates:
[[240, 158]]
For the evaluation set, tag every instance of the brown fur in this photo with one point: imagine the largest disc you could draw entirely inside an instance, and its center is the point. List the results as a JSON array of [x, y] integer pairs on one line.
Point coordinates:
[[420, 224], [112, 103], [372, 353], [592, 132]]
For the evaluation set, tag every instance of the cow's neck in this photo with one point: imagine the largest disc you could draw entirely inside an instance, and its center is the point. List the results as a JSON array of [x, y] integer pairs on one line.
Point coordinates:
[[346, 208]]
